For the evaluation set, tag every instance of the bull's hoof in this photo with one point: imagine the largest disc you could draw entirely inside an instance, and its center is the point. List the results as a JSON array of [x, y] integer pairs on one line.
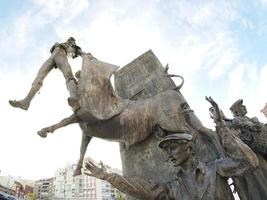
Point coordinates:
[[77, 172], [42, 133]]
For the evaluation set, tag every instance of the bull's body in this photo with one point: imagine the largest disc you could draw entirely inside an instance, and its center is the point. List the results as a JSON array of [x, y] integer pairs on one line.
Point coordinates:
[[136, 121]]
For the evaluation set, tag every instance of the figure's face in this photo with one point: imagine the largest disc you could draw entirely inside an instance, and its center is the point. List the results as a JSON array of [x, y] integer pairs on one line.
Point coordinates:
[[178, 151], [241, 112], [71, 51]]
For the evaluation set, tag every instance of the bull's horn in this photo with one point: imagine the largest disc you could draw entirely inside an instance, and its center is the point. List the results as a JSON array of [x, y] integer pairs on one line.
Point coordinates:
[[182, 83], [166, 68]]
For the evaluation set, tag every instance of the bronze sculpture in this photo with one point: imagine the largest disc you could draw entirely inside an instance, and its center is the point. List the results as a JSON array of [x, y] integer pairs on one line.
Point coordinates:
[[194, 179], [136, 115], [58, 59], [130, 121], [251, 130], [251, 186]]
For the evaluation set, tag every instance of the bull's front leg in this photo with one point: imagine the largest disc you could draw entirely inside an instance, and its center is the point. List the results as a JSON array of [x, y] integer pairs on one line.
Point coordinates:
[[84, 144], [65, 122]]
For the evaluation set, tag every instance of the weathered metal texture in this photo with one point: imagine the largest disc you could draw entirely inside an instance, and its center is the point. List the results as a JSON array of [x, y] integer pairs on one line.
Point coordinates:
[[145, 159], [135, 123], [145, 74], [131, 121], [252, 186], [158, 103], [97, 95], [252, 132]]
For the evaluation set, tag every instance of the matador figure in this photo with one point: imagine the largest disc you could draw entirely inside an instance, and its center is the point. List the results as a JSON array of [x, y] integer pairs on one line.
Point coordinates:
[[58, 59]]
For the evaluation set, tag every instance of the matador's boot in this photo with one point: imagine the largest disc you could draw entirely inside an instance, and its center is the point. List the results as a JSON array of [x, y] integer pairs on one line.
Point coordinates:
[[25, 103]]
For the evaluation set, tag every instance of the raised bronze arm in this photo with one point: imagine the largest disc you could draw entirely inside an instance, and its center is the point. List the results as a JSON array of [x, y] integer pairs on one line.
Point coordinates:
[[134, 186]]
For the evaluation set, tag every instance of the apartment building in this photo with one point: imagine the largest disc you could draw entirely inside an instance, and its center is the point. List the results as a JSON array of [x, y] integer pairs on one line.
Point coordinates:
[[82, 187], [44, 189]]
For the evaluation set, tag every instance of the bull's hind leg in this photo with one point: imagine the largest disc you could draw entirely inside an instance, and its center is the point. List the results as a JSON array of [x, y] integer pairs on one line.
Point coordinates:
[[85, 141], [65, 122]]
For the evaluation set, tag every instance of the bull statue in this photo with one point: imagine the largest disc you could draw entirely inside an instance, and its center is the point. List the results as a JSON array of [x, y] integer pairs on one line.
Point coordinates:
[[104, 114]]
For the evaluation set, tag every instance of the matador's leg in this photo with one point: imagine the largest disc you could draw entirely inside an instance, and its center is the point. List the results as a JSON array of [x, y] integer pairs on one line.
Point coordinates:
[[65, 122], [84, 144], [36, 85], [63, 65]]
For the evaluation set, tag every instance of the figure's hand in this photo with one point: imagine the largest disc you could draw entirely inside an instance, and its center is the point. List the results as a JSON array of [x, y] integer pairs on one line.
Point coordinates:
[[95, 171], [212, 102], [215, 112]]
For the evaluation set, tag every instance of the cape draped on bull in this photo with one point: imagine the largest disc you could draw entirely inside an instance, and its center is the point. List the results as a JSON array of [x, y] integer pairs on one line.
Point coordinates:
[[98, 99]]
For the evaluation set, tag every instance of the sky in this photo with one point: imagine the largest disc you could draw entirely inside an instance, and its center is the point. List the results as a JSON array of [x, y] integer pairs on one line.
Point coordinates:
[[218, 46]]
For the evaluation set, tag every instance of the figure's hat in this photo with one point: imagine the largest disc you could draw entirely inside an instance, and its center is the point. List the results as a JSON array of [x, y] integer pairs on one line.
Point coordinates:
[[176, 136], [71, 39], [236, 105]]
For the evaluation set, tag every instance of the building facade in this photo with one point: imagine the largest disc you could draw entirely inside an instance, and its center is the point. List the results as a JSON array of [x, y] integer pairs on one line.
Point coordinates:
[[6, 190], [16, 187], [61, 187], [44, 189], [82, 187]]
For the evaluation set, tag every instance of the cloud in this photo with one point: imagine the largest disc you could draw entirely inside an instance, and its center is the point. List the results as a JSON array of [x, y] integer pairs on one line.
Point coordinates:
[[222, 55], [236, 81], [248, 83], [255, 95], [263, 3], [66, 10]]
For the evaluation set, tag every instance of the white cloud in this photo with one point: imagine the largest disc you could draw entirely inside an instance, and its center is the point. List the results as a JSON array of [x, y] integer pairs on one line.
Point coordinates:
[[64, 9], [222, 55], [246, 83], [263, 3], [256, 96], [236, 82]]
